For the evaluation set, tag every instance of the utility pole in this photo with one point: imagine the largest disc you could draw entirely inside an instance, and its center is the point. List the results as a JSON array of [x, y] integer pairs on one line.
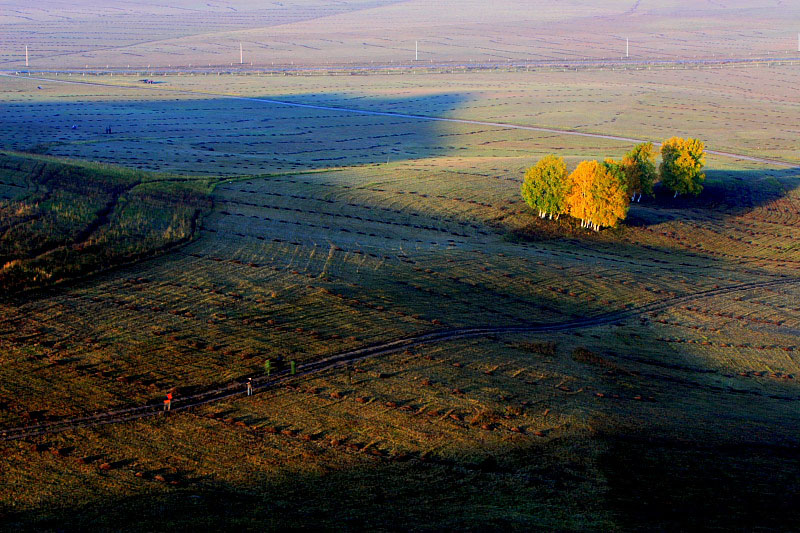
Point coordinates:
[[241, 57], [26, 55], [416, 49], [627, 47]]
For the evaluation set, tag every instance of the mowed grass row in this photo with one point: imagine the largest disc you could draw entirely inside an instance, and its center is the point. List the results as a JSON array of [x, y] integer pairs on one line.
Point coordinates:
[[402, 419], [745, 217], [199, 137], [305, 265], [542, 414], [751, 335], [162, 128], [422, 415], [749, 110]]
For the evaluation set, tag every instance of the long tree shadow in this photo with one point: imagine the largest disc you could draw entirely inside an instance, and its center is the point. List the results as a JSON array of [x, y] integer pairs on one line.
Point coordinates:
[[235, 136], [711, 452], [726, 193]]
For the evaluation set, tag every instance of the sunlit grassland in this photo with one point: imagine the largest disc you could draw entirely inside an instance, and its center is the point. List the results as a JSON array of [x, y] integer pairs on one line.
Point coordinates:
[[489, 425], [313, 33], [439, 418], [316, 244], [746, 110]]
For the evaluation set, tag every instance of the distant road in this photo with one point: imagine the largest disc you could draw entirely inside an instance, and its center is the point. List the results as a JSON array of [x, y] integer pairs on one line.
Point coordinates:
[[420, 65], [391, 114]]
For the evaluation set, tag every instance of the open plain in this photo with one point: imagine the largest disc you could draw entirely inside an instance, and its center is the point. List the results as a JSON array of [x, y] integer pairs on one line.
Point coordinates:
[[461, 363]]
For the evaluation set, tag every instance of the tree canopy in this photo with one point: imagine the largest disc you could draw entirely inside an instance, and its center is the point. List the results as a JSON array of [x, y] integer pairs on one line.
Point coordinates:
[[610, 195], [597, 194], [544, 186], [682, 162], [639, 166], [579, 195]]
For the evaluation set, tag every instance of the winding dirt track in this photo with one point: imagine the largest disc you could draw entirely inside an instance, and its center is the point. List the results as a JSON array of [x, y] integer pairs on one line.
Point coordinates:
[[264, 383], [390, 114]]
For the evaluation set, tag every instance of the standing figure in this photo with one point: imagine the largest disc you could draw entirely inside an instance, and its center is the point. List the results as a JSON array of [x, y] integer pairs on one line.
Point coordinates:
[[249, 386], [168, 402]]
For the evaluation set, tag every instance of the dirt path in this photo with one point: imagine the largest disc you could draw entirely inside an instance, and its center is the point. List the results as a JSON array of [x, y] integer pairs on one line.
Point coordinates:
[[405, 116], [263, 383]]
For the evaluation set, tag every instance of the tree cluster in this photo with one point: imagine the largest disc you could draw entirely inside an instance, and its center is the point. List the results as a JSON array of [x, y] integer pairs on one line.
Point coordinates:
[[599, 193]]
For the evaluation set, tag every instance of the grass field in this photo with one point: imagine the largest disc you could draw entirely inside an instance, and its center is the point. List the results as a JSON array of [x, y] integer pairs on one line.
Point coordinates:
[[745, 110], [311, 32], [62, 221], [304, 265], [669, 404]]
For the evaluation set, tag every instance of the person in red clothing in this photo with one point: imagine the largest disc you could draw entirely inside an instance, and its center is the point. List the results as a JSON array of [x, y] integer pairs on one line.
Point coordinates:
[[168, 402]]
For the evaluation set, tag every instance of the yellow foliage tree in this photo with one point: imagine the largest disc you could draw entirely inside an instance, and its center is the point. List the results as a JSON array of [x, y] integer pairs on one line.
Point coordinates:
[[597, 194], [580, 203], [610, 195]]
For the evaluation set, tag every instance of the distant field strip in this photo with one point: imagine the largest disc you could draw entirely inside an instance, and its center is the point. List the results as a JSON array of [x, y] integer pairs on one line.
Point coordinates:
[[411, 117], [234, 389]]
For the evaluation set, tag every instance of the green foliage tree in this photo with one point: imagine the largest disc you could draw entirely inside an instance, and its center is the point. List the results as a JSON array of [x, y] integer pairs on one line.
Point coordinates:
[[615, 170], [544, 186], [639, 166], [682, 165]]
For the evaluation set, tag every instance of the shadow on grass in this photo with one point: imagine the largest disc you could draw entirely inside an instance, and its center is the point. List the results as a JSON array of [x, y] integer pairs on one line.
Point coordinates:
[[238, 136], [538, 487], [674, 485], [726, 193], [608, 482]]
